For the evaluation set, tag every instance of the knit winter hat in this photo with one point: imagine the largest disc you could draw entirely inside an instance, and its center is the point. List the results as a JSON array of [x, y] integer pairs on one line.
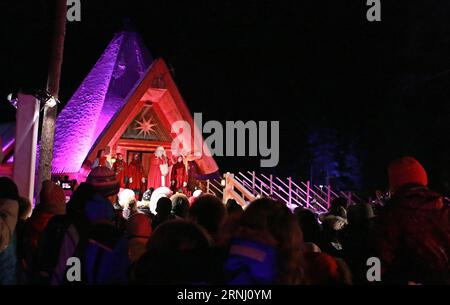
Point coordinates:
[[104, 180], [99, 209], [139, 226], [52, 198], [406, 170]]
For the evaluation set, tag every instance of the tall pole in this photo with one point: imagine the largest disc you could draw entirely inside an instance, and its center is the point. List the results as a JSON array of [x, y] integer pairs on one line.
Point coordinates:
[[27, 125], [51, 110]]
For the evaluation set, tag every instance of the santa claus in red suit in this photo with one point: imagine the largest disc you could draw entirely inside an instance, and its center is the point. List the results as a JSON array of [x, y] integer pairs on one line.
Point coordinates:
[[158, 174], [120, 167], [179, 177], [136, 176]]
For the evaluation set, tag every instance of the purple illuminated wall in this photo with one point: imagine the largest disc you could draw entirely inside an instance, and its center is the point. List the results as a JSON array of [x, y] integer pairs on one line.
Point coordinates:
[[99, 98]]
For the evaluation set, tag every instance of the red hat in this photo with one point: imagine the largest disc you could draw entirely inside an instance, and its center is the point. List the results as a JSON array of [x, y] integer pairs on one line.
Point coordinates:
[[406, 170], [139, 226]]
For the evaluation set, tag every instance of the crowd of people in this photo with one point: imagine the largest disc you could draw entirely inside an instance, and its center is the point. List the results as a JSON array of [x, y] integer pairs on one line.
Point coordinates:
[[203, 241]]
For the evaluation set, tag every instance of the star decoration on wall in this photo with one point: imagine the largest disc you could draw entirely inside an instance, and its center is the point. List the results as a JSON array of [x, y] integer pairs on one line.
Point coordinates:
[[145, 127]]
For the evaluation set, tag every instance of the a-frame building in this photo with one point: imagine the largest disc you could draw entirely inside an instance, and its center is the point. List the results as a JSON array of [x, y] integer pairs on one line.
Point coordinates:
[[127, 103], [155, 101]]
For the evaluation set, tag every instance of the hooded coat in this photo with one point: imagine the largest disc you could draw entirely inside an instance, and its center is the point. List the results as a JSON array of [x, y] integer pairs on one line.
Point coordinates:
[[412, 238]]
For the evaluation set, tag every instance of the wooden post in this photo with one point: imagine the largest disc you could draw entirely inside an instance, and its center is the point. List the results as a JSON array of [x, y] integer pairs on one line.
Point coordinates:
[[254, 183], [207, 186], [54, 77], [271, 185], [307, 194], [290, 190], [227, 192], [27, 124]]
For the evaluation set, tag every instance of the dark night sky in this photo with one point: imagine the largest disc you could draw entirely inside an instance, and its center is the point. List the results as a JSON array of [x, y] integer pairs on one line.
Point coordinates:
[[305, 63]]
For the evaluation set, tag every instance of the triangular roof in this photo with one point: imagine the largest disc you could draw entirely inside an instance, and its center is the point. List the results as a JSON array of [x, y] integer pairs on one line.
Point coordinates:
[[98, 99], [120, 84], [157, 88]]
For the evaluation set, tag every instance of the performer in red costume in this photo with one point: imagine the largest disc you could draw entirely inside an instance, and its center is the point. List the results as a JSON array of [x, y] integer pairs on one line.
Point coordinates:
[[136, 176], [179, 176], [120, 167], [158, 174], [192, 174]]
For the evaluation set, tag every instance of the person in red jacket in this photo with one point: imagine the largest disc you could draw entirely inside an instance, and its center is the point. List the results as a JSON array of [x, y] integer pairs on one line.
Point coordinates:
[[120, 167], [412, 233], [179, 176], [136, 176]]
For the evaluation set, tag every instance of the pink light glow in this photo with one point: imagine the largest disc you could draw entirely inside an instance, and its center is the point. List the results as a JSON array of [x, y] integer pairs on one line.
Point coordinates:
[[98, 99], [7, 146]]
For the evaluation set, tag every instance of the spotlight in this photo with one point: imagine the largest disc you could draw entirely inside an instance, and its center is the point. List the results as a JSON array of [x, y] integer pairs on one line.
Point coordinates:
[[51, 102], [12, 99]]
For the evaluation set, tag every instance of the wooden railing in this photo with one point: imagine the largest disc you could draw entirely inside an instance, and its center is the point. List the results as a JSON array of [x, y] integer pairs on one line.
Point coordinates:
[[246, 187]]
